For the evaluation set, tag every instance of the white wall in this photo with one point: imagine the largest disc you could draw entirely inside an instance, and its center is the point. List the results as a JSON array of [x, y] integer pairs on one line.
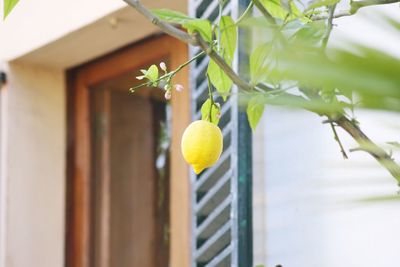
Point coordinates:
[[317, 209]]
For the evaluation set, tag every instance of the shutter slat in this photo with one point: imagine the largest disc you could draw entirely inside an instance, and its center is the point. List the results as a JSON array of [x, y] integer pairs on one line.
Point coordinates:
[[201, 184], [210, 9], [221, 259], [214, 220], [212, 193], [214, 245]]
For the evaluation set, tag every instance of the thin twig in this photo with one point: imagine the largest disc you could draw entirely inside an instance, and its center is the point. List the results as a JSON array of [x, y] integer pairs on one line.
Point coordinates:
[[323, 47], [336, 136], [329, 27], [245, 13], [373, 149], [169, 75]]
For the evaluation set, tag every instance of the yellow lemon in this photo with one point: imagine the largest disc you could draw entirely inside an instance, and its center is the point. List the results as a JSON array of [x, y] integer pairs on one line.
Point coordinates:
[[201, 145]]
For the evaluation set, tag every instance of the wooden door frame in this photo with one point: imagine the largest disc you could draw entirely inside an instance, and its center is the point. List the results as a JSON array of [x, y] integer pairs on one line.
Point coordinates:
[[80, 80]]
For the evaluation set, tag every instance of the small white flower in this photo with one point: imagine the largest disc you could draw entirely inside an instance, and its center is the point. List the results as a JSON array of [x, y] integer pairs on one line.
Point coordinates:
[[168, 94], [179, 87], [218, 105], [140, 77], [163, 66]]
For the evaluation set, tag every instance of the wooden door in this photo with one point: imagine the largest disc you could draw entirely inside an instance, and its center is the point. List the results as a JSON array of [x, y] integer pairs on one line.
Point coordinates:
[[119, 212]]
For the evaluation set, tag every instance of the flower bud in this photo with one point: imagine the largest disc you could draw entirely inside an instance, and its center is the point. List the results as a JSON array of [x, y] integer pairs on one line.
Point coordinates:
[[168, 94], [163, 66], [179, 87]]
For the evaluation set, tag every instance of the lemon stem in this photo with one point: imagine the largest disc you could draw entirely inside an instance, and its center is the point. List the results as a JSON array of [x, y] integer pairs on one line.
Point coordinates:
[[210, 95]]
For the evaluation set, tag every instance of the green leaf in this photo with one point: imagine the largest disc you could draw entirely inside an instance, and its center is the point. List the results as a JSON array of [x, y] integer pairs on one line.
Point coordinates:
[[312, 33], [275, 8], [258, 63], [320, 3], [372, 75], [8, 7], [151, 74], [207, 108], [255, 109], [203, 26], [228, 38], [219, 79], [171, 16], [288, 12]]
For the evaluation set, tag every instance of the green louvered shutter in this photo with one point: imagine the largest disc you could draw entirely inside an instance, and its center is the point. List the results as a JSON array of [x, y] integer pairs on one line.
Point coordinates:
[[221, 195]]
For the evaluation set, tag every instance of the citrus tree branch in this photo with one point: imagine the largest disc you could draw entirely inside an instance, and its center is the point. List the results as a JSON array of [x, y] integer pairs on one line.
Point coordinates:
[[355, 6], [165, 27], [341, 120], [194, 40], [242, 84], [369, 146]]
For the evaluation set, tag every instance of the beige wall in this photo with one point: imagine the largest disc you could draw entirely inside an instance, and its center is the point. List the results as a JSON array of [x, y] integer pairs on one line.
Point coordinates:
[[36, 167], [40, 40]]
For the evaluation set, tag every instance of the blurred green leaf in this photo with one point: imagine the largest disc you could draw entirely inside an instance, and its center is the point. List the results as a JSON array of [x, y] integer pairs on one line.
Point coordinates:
[[258, 63], [288, 12], [255, 110], [275, 8], [383, 198], [320, 3], [208, 109], [371, 74], [8, 7], [311, 33]]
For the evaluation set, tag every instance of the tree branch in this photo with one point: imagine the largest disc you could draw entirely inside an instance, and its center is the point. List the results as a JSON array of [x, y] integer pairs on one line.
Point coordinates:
[[350, 127], [355, 6], [194, 40], [222, 63], [165, 27], [369, 146]]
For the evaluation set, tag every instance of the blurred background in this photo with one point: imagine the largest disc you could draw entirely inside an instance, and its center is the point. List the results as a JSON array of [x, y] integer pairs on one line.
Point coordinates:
[[314, 207]]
